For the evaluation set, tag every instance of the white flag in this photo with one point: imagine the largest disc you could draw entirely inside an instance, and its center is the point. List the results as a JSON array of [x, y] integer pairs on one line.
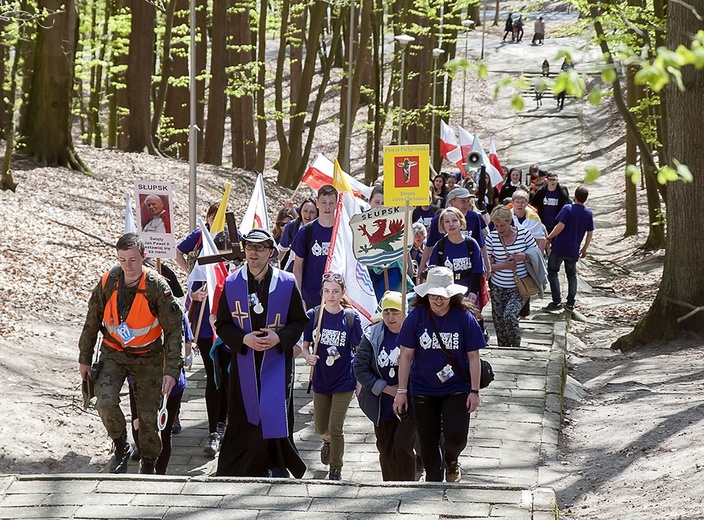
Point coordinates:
[[129, 217], [256, 215], [359, 288], [204, 273]]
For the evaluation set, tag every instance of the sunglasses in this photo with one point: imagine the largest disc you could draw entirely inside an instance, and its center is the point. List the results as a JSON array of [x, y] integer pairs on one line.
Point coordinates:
[[333, 277], [259, 248]]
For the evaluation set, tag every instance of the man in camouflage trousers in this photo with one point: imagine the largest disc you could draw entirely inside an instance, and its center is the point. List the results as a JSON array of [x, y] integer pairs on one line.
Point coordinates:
[[132, 306]]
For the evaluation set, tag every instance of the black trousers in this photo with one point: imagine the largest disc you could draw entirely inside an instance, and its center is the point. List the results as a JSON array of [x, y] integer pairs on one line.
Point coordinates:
[[436, 414], [395, 441], [215, 395]]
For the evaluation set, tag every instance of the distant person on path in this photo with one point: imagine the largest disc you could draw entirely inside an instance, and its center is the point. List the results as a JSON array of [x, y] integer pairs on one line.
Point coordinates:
[[311, 245], [545, 68], [566, 65], [132, 306], [573, 222], [508, 28], [518, 28], [539, 32], [260, 317], [159, 222], [440, 342], [376, 369], [333, 333], [549, 199]]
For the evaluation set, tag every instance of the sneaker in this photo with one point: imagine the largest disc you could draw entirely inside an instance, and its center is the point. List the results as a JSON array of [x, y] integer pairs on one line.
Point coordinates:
[[569, 307], [325, 454], [213, 446], [552, 306], [147, 466], [452, 472], [122, 454], [220, 429], [176, 427], [335, 474]]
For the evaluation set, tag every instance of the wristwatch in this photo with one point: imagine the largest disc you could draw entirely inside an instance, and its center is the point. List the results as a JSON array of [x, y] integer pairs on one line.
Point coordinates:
[[473, 391]]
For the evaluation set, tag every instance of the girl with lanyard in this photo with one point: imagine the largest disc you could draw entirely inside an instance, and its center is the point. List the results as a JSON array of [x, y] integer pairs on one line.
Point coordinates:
[[376, 369], [443, 373], [334, 336]]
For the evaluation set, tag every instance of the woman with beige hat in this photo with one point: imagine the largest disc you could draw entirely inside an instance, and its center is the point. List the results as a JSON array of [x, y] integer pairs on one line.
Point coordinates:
[[439, 366]]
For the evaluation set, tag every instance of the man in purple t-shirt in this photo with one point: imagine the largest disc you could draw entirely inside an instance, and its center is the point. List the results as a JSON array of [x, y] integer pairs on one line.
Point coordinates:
[[572, 223], [311, 247], [549, 200]]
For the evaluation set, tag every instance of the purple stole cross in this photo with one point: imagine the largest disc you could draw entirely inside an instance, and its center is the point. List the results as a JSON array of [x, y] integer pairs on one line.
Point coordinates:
[[268, 403]]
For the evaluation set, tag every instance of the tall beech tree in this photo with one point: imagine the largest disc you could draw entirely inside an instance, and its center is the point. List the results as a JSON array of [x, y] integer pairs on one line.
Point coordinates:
[[48, 126]]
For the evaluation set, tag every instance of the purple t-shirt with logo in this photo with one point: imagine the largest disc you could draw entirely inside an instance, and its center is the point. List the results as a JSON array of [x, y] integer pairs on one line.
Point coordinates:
[[334, 334], [387, 361], [475, 225], [549, 213], [460, 333], [315, 256], [577, 220], [424, 216], [455, 258]]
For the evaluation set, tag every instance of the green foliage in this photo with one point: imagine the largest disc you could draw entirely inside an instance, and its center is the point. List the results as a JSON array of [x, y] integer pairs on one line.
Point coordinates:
[[591, 174], [633, 172]]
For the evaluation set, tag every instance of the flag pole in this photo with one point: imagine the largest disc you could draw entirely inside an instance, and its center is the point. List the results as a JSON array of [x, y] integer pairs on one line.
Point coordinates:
[[316, 342], [405, 258]]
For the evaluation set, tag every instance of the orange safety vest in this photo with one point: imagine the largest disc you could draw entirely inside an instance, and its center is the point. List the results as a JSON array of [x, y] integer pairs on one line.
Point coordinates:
[[144, 325]]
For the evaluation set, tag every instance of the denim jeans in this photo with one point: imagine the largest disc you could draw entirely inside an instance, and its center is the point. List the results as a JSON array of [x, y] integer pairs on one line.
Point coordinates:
[[554, 263]]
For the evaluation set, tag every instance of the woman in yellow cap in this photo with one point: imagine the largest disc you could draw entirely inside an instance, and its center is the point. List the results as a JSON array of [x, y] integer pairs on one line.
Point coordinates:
[[376, 369]]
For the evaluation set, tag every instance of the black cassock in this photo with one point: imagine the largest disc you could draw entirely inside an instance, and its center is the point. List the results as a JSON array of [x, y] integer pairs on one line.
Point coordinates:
[[243, 451]]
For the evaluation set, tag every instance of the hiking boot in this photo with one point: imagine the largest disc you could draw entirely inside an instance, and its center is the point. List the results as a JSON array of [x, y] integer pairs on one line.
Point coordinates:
[[335, 474], [325, 454], [213, 445], [552, 306], [135, 455], [122, 454], [452, 472], [147, 466], [222, 426]]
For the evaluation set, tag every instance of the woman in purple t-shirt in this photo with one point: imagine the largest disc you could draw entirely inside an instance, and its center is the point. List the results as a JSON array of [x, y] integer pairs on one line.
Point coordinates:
[[440, 342], [334, 331]]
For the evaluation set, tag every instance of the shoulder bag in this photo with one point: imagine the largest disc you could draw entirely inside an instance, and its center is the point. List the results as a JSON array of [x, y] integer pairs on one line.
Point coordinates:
[[526, 286]]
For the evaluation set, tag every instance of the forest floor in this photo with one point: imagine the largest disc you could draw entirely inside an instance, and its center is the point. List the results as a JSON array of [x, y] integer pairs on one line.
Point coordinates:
[[629, 446]]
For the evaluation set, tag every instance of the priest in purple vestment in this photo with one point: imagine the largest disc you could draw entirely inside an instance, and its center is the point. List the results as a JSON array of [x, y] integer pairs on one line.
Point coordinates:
[[260, 317]]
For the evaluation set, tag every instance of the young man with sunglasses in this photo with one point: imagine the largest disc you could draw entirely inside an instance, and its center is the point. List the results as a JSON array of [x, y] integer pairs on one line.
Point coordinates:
[[260, 317]]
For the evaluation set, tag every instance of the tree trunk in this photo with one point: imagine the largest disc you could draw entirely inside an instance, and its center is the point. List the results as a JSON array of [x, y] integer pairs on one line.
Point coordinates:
[[631, 158], [175, 131], [296, 35], [140, 64], [244, 150], [360, 65], [261, 92], [217, 98], [96, 85], [496, 14], [682, 285], [48, 132], [166, 69]]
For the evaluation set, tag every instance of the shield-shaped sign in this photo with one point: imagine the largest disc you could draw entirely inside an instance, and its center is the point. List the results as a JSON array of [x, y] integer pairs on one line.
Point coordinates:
[[377, 236]]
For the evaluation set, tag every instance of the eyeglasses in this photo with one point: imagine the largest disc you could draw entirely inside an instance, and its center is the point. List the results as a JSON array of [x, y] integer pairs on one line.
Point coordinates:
[[333, 277], [259, 248]]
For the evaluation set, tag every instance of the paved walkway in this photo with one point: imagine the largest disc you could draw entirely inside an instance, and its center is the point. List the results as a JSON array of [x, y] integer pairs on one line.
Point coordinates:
[[512, 434]]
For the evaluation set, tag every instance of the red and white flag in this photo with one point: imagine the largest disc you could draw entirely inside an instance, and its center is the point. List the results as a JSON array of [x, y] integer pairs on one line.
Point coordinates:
[[320, 173], [494, 158], [256, 215], [466, 141], [496, 177], [359, 288], [129, 216], [449, 148]]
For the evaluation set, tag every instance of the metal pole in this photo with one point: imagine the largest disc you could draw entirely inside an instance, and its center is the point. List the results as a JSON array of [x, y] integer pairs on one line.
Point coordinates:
[[400, 102], [483, 29], [348, 122], [464, 81], [432, 127], [193, 130]]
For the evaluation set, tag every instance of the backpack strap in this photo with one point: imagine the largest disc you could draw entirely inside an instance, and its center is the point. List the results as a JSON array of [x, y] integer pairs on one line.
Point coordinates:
[[441, 249]]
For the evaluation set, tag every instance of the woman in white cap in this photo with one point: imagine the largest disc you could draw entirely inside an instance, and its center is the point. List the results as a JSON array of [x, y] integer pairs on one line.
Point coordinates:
[[443, 373], [333, 333], [376, 369]]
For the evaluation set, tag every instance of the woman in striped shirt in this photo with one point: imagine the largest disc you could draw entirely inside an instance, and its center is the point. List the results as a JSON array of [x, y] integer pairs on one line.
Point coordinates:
[[506, 247]]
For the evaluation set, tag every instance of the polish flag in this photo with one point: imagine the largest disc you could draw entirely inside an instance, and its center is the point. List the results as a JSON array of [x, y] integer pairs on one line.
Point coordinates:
[[466, 140], [494, 157], [496, 177], [320, 173], [449, 148]]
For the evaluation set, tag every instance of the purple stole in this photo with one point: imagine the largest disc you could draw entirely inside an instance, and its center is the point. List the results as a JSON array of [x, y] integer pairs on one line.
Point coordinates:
[[268, 403]]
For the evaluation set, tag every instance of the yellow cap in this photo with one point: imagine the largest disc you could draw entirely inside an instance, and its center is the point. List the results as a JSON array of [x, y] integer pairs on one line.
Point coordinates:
[[392, 300]]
